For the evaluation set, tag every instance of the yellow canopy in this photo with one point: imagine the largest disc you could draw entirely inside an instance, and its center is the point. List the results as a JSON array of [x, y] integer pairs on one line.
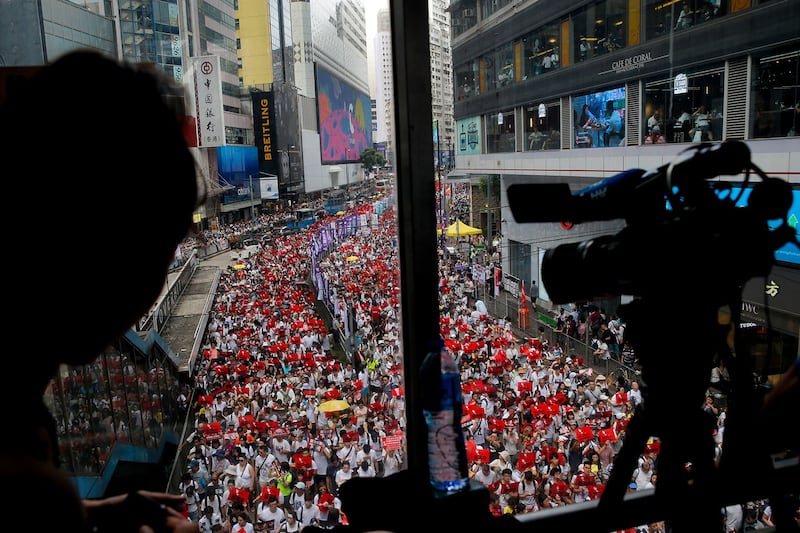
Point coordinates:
[[459, 229]]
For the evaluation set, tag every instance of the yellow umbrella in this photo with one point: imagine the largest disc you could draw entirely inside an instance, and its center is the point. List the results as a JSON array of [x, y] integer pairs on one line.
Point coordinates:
[[332, 406], [340, 212], [351, 258], [239, 266]]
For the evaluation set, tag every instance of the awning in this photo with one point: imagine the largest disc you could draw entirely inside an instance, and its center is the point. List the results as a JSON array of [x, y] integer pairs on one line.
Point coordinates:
[[333, 169]]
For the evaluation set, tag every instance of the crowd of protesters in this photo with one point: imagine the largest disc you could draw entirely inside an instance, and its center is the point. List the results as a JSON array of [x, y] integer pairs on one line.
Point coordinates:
[[271, 447]]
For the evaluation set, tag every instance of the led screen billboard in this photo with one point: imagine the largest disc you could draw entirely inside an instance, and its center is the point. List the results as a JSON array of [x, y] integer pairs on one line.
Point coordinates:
[[345, 120], [599, 119]]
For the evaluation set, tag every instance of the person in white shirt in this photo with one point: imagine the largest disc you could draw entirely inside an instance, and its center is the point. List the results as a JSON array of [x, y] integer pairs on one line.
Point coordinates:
[[308, 514], [343, 474], [281, 447], [209, 518], [296, 499], [485, 475], [242, 524], [263, 461], [392, 461], [270, 515], [365, 469], [654, 124]]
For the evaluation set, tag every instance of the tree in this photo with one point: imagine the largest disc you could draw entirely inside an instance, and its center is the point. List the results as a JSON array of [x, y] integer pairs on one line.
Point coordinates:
[[483, 186], [371, 158]]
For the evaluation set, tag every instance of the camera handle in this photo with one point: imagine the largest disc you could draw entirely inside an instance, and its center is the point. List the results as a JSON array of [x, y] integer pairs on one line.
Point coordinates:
[[675, 373]]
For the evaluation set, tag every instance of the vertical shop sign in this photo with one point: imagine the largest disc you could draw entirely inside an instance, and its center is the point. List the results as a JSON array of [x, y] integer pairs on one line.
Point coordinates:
[[208, 101]]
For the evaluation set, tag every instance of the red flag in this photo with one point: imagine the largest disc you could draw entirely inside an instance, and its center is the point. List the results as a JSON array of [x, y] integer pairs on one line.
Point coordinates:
[[522, 296]]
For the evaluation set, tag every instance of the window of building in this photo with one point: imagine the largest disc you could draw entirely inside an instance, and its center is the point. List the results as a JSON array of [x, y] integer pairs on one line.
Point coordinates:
[[503, 58], [541, 49], [542, 126], [464, 17], [467, 80], [500, 132], [687, 107], [600, 28], [661, 17], [488, 73], [775, 94], [490, 7], [599, 119]]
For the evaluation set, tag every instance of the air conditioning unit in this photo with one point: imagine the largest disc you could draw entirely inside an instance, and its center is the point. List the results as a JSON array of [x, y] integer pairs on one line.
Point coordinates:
[[469, 12]]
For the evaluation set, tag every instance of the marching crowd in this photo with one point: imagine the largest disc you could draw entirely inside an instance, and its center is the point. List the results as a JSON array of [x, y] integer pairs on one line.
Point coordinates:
[[281, 421]]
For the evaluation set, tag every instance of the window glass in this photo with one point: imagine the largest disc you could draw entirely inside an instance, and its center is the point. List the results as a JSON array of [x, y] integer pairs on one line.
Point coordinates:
[[684, 109], [541, 49], [542, 126], [464, 17], [500, 132], [599, 119], [775, 94], [600, 28], [504, 66], [467, 80]]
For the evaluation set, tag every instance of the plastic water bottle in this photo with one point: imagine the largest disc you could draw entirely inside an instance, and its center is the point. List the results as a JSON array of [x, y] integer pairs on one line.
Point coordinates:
[[447, 454]]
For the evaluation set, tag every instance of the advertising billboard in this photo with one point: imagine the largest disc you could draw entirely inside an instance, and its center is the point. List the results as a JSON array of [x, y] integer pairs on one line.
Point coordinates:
[[264, 131], [599, 119], [238, 166], [345, 119]]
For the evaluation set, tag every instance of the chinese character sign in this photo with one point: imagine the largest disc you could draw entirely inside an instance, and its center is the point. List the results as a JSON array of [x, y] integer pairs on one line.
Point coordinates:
[[208, 101]]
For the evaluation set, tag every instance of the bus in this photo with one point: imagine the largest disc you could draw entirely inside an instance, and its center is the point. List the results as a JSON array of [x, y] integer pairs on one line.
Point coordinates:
[[334, 201], [303, 217]]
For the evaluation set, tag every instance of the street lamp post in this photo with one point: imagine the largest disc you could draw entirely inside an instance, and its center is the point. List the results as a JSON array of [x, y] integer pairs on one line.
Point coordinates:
[[347, 169], [252, 202], [439, 167]]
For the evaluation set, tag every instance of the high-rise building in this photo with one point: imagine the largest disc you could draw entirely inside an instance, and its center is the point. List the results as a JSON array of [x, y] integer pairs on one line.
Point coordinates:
[[330, 46], [384, 83], [441, 79], [575, 92]]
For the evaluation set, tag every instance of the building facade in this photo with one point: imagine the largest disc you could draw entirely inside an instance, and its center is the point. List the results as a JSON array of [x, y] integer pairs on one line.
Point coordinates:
[[550, 92]]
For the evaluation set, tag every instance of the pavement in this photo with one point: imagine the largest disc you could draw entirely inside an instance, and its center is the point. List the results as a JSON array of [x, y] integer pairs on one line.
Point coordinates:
[[184, 330]]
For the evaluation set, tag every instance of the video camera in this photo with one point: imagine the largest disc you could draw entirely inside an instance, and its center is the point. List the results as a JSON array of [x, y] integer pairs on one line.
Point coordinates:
[[680, 227]]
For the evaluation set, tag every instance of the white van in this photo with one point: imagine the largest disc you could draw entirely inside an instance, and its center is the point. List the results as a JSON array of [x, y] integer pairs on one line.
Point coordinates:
[[248, 249]]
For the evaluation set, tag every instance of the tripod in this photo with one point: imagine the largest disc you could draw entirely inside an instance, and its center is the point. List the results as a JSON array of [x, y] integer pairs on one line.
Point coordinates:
[[675, 377]]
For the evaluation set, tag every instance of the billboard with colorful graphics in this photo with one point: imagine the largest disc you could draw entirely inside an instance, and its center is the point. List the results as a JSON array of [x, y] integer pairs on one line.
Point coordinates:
[[345, 120]]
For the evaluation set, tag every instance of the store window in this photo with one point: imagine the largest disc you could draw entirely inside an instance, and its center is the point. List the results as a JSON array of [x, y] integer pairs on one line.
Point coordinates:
[[599, 119], [686, 108], [775, 95], [541, 51], [600, 28], [500, 132], [542, 127]]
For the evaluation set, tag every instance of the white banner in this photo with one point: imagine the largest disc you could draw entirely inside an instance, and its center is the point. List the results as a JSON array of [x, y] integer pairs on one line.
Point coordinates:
[[269, 188]]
